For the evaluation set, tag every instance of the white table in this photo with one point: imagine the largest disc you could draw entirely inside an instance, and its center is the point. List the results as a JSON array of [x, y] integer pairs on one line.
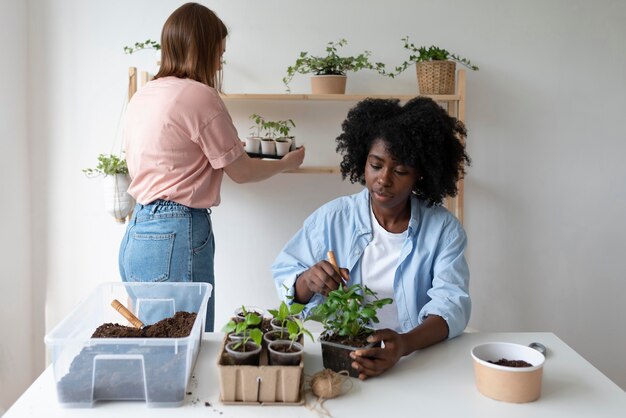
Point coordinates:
[[437, 381]]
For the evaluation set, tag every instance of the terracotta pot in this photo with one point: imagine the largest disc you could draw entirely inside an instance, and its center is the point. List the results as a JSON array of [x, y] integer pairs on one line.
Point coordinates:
[[328, 84]]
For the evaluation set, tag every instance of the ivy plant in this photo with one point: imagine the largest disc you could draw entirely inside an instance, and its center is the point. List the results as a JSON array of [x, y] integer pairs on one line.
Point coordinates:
[[349, 311], [432, 53], [147, 44], [331, 63], [108, 165]]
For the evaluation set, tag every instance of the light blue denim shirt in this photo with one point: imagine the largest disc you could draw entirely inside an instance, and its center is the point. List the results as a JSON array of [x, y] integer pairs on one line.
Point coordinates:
[[432, 277]]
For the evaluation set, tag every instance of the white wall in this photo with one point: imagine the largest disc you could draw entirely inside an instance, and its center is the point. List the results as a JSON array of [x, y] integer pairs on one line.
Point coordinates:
[[544, 198], [16, 344]]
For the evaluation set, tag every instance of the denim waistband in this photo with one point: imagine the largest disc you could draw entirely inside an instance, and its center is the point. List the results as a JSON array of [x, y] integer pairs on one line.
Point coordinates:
[[171, 205]]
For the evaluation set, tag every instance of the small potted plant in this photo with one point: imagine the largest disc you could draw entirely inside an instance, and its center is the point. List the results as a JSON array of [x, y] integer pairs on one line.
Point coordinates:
[[281, 131], [346, 316], [329, 72], [247, 350], [289, 353], [253, 142], [436, 67], [283, 315], [116, 181]]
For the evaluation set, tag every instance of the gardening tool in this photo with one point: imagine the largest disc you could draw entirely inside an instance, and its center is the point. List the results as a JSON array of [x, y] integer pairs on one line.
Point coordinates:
[[331, 258], [127, 314]]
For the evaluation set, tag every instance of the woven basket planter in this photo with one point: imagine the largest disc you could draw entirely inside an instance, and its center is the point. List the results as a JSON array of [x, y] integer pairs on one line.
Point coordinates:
[[436, 77]]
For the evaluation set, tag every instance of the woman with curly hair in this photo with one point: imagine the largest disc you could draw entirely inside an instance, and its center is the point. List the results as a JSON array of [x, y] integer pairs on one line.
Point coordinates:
[[395, 236]]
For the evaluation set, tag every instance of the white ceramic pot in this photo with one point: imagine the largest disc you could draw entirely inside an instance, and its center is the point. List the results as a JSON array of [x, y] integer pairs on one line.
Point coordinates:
[[283, 145], [253, 144], [268, 146], [117, 201]]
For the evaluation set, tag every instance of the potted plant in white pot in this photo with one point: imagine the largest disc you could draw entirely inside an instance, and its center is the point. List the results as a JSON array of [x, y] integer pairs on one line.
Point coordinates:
[[435, 67], [116, 181], [329, 72], [346, 316], [283, 140], [253, 142]]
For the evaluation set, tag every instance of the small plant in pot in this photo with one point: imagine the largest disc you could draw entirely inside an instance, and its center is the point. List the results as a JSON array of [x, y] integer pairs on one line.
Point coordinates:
[[247, 350], [330, 70], [279, 130], [289, 353], [116, 182], [435, 67], [346, 316]]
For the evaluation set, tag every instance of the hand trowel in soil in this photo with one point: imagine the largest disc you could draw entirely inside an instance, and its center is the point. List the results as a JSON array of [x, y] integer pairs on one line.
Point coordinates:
[[127, 314]]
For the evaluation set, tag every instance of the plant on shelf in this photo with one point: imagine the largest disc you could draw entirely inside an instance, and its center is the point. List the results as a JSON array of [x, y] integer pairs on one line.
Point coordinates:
[[139, 46], [331, 64], [346, 315], [117, 201], [432, 53], [435, 67]]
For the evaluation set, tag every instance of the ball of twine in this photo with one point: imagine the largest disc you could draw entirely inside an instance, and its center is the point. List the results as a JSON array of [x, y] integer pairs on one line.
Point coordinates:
[[328, 384]]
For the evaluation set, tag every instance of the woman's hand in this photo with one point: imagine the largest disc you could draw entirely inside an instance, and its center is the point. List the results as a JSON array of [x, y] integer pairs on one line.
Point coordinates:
[[293, 159], [374, 361], [320, 278]]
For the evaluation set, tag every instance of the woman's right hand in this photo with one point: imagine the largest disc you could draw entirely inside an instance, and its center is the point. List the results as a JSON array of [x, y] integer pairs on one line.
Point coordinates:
[[293, 159], [320, 278]]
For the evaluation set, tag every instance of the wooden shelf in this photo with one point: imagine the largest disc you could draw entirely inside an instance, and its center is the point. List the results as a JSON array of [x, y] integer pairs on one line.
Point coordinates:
[[337, 97], [315, 170]]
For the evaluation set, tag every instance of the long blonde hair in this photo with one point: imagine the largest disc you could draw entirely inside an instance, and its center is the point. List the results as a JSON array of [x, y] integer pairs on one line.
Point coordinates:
[[191, 45]]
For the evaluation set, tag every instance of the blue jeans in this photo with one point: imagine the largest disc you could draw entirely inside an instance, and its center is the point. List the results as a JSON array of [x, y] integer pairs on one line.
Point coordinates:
[[169, 242]]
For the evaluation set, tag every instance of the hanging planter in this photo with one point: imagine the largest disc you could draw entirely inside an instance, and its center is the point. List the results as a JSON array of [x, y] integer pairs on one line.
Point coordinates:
[[117, 201]]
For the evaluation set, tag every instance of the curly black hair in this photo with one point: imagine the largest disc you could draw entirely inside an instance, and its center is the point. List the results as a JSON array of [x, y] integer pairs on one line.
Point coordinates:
[[419, 134]]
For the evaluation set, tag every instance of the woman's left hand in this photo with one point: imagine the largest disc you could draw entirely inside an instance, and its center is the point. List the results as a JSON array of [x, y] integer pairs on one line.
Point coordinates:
[[374, 361]]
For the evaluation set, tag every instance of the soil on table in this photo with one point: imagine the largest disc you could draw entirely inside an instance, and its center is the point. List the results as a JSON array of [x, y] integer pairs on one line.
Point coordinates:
[[511, 363], [162, 367], [178, 326]]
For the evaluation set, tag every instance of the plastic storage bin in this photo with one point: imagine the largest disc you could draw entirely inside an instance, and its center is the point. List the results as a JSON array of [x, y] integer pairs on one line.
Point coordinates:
[[155, 370]]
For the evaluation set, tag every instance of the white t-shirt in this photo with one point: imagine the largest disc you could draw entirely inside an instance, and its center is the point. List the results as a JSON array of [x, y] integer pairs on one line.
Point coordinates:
[[378, 267]]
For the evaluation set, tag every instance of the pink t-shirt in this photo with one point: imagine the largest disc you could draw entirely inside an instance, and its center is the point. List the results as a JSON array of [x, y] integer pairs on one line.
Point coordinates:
[[179, 137]]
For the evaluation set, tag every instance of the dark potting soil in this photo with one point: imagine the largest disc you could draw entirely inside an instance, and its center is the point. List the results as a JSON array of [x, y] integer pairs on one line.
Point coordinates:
[[358, 341], [511, 363], [178, 326], [163, 367]]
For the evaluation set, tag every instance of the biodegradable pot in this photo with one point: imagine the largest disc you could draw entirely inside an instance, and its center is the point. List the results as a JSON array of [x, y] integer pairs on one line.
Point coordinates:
[[268, 146], [249, 357], [253, 144], [328, 84], [285, 353], [337, 356], [117, 202], [503, 383], [283, 145]]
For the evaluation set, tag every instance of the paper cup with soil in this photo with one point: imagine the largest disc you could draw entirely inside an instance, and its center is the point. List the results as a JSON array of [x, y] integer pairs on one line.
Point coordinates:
[[508, 372]]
